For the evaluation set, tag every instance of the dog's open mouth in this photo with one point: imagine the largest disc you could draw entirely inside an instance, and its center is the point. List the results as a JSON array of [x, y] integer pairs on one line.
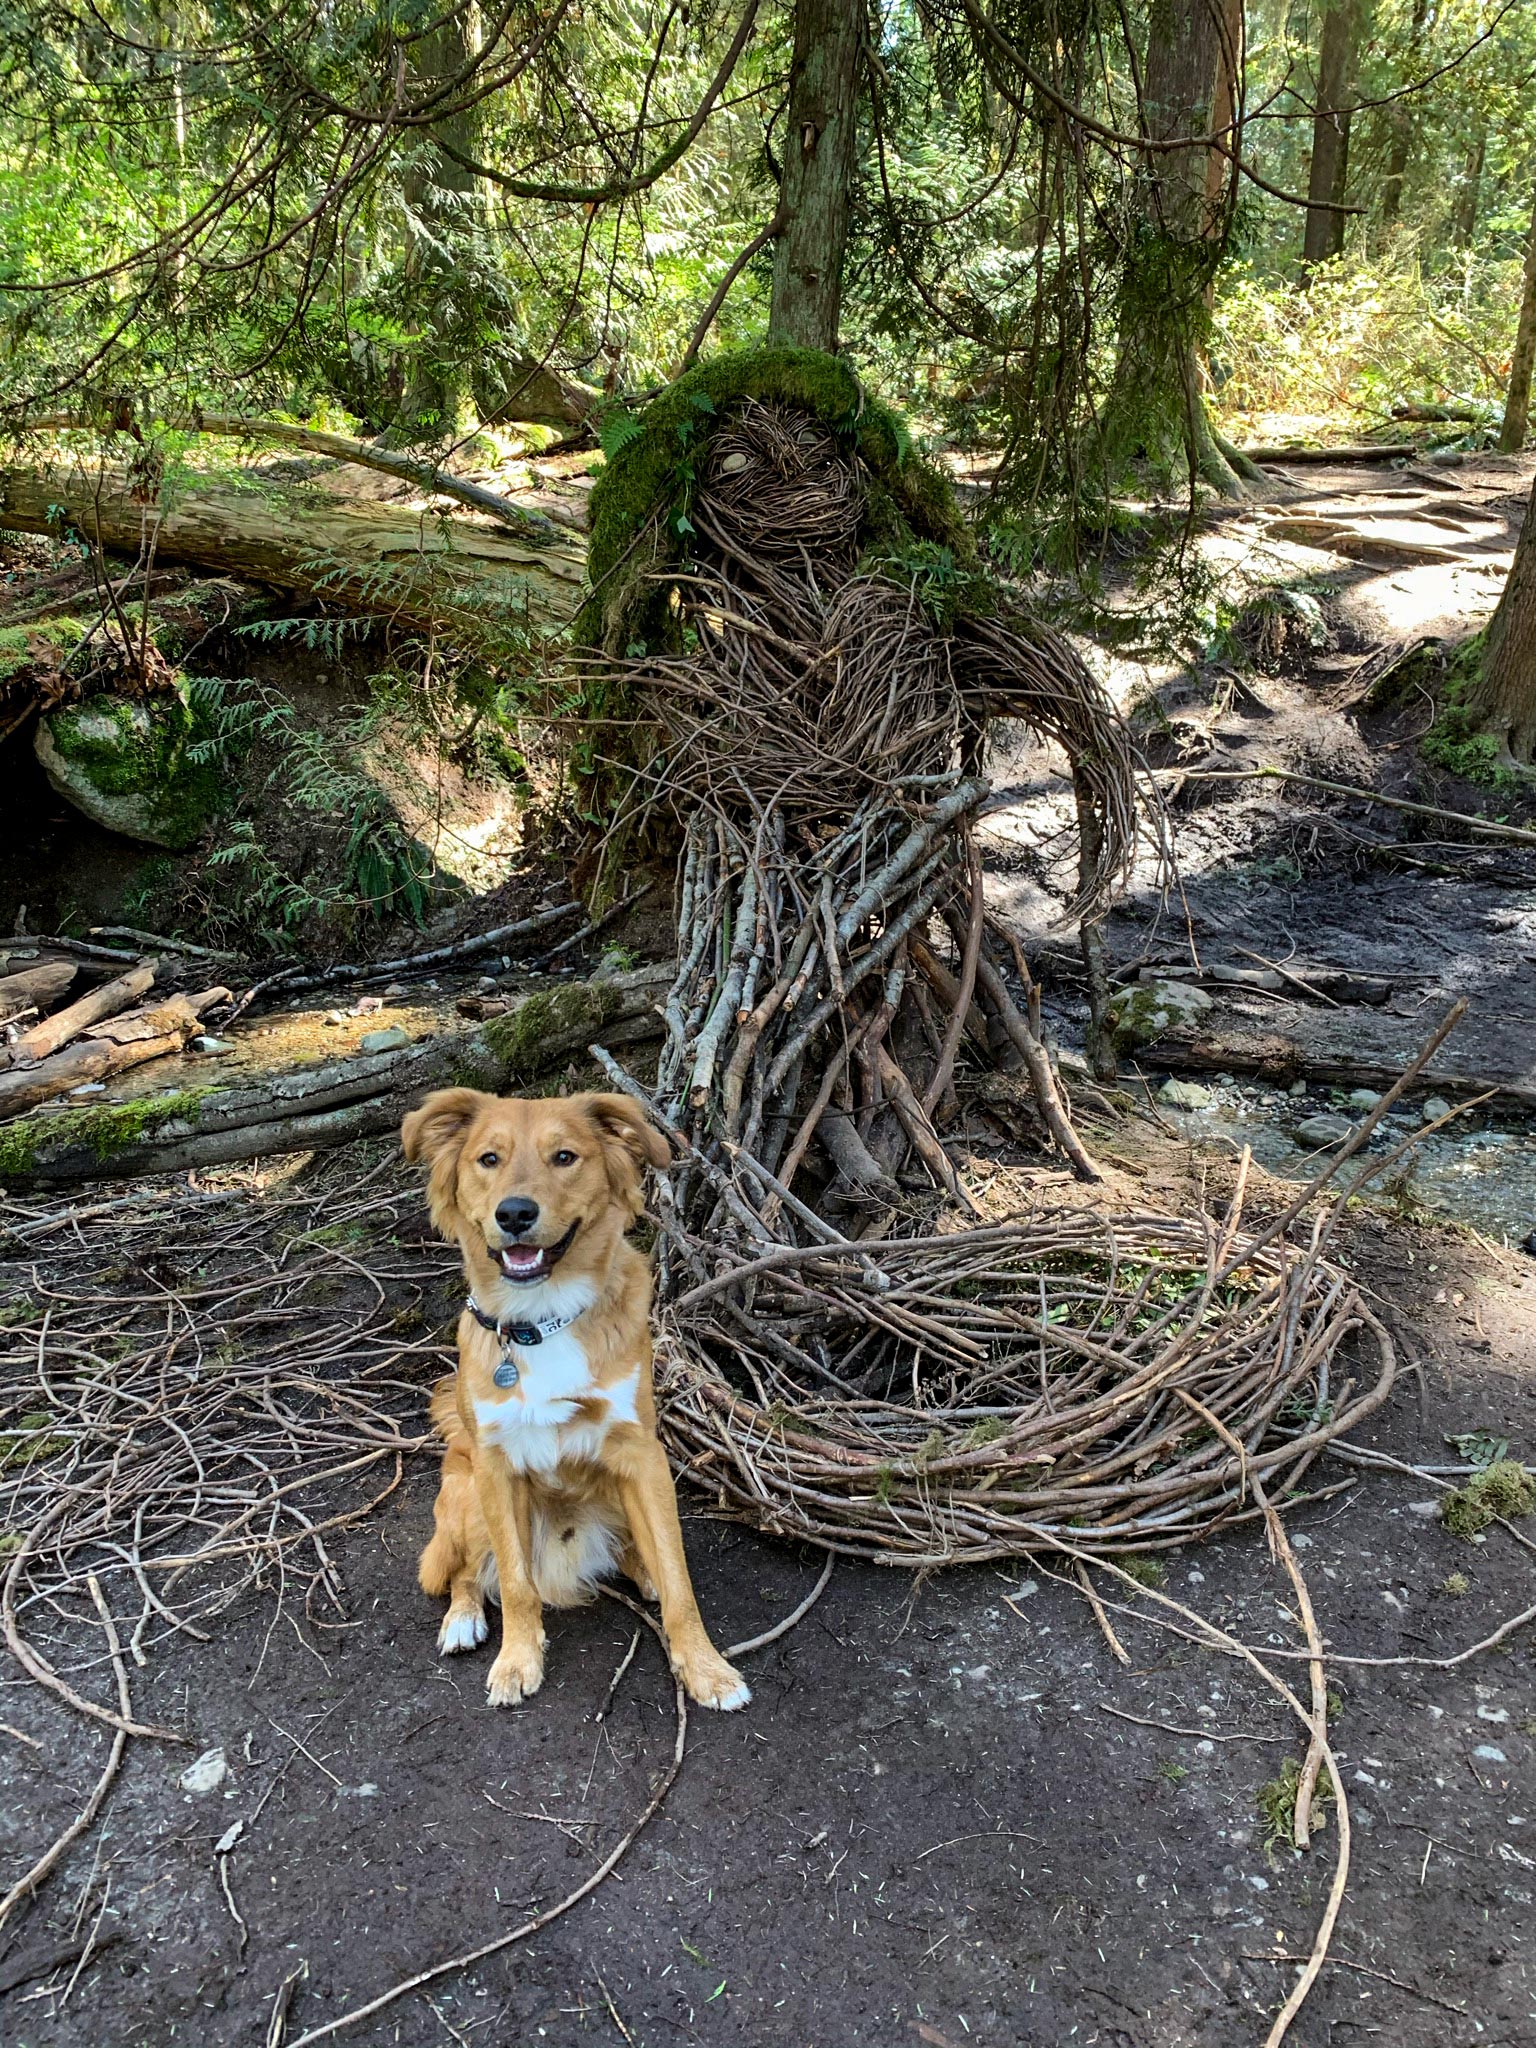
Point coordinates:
[[529, 1262]]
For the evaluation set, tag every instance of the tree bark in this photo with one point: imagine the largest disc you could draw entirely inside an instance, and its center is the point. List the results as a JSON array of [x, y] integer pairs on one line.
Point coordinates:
[[819, 155], [445, 246], [1517, 399], [1157, 401], [1502, 698], [1469, 191], [1328, 175], [463, 576], [1401, 125]]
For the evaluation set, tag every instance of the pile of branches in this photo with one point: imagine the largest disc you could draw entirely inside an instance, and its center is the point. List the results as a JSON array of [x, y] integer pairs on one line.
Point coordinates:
[[196, 1390], [1099, 1384], [850, 1356], [819, 727]]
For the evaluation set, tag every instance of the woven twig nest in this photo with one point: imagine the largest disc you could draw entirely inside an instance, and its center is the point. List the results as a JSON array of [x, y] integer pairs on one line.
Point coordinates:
[[1107, 1383]]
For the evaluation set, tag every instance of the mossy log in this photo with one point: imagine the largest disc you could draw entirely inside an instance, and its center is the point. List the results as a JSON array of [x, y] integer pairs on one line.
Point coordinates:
[[455, 573], [312, 1108]]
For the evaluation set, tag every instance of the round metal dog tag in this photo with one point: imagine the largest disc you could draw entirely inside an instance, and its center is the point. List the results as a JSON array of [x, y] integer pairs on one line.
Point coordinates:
[[506, 1374]]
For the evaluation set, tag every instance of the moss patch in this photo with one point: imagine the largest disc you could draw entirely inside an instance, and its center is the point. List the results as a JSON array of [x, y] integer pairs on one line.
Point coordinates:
[[542, 1027], [651, 473], [126, 762], [1506, 1488], [104, 1129], [28, 653]]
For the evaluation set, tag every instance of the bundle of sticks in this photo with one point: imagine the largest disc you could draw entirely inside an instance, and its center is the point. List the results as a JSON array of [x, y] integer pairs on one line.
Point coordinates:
[[1108, 1384], [820, 736], [54, 1047]]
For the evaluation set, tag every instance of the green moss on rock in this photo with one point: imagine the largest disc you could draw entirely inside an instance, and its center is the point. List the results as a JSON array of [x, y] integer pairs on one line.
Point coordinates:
[[126, 763], [104, 1129], [26, 651], [543, 1026]]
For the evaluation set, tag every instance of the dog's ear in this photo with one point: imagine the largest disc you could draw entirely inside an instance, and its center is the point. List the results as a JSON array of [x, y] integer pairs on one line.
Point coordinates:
[[433, 1133], [629, 1142]]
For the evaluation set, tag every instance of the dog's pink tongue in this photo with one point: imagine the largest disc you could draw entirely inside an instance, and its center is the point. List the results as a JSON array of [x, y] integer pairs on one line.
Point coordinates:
[[519, 1259]]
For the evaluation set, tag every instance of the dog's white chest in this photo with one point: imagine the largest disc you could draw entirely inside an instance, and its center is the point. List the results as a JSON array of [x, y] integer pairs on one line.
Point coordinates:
[[556, 1414]]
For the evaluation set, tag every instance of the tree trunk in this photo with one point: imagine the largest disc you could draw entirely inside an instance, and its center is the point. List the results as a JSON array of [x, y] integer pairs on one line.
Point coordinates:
[[1401, 125], [1156, 405], [1502, 699], [819, 155], [1327, 177], [465, 577], [1469, 189], [1517, 399], [446, 251]]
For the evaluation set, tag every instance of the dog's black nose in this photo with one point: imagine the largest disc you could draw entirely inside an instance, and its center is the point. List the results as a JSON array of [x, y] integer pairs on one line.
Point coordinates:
[[517, 1214]]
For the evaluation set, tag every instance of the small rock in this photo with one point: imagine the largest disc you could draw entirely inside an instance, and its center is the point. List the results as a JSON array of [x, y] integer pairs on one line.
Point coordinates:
[[214, 1048], [1296, 1090], [1528, 1244], [368, 1791], [334, 1017], [89, 1088], [1362, 1098], [207, 1774], [390, 1039], [1490, 1753], [1435, 1108], [1184, 1095], [366, 1005], [396, 988], [1317, 1131]]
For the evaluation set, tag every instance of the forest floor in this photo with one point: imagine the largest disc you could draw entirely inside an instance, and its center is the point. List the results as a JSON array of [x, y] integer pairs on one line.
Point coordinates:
[[949, 1816]]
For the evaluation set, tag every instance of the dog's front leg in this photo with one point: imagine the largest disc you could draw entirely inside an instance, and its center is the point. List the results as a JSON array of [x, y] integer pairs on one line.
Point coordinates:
[[504, 1501], [650, 1502]]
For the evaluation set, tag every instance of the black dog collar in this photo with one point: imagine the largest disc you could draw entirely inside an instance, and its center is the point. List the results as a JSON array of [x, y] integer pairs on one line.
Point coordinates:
[[523, 1335]]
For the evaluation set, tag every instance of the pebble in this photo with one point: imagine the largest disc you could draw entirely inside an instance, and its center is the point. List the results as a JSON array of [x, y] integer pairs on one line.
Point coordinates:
[[334, 1017], [1436, 1107], [1362, 1098], [396, 988], [1296, 1090], [366, 1005], [215, 1048], [207, 1774], [1316, 1131], [1490, 1753], [390, 1039]]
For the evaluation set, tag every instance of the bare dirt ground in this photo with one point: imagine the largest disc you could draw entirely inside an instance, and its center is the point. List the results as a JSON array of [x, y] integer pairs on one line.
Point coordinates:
[[949, 1816]]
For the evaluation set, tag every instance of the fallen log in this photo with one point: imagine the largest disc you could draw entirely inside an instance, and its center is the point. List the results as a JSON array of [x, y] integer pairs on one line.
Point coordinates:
[[111, 1047], [34, 988], [56, 1031], [315, 1107], [1370, 451], [1271, 1056], [419, 568]]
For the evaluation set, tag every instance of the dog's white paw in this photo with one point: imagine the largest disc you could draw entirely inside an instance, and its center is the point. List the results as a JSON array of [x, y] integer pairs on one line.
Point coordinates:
[[713, 1683], [464, 1629], [515, 1676]]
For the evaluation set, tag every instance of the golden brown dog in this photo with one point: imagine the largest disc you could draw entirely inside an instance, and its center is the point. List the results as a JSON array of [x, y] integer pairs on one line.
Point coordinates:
[[553, 1473]]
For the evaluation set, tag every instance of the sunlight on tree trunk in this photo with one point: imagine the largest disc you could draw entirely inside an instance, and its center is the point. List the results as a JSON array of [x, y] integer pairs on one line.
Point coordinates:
[[1469, 190], [1502, 700], [819, 153], [1517, 399], [1328, 175]]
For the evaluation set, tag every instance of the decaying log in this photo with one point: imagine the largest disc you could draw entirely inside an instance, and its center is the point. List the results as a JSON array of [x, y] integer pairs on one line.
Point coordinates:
[[420, 568], [110, 1047], [34, 988], [314, 1107], [1272, 1056], [53, 1032]]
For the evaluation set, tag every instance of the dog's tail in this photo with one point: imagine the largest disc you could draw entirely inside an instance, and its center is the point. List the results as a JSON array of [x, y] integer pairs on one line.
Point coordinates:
[[448, 1552]]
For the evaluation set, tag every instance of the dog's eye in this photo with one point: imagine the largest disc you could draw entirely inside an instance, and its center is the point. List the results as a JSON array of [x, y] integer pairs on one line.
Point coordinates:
[[490, 1159], [564, 1157]]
